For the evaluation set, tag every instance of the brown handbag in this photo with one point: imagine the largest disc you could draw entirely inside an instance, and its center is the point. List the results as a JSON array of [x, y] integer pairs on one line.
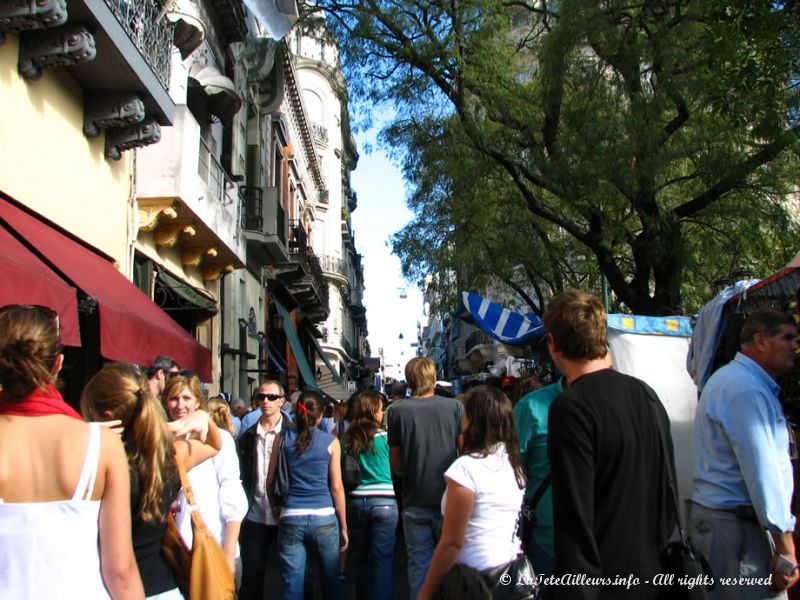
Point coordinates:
[[203, 573]]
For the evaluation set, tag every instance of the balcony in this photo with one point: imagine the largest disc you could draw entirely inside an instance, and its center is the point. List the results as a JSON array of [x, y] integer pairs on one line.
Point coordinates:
[[128, 48], [319, 133], [187, 199], [356, 304], [302, 275], [264, 225], [334, 267], [347, 229]]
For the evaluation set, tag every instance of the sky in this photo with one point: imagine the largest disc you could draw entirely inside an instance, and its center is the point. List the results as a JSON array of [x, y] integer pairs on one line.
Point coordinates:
[[381, 211]]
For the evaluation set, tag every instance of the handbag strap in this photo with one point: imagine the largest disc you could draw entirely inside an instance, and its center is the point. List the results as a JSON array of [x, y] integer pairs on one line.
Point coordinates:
[[670, 474], [187, 487], [537, 495]]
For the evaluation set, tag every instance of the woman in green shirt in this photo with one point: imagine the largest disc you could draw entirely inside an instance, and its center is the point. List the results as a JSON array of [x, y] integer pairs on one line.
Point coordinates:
[[371, 507]]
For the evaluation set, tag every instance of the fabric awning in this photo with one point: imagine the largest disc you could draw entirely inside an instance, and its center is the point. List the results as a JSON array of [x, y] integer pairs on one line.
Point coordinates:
[[189, 293], [189, 30], [327, 362], [223, 99], [297, 347], [132, 327], [277, 17], [28, 280], [504, 325]]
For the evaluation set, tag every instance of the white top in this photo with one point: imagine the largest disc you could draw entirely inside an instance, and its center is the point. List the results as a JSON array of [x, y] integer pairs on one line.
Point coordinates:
[[491, 538], [217, 490], [50, 549]]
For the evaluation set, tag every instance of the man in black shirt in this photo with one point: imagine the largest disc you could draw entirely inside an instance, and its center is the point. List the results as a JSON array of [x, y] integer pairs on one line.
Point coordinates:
[[612, 512], [424, 439]]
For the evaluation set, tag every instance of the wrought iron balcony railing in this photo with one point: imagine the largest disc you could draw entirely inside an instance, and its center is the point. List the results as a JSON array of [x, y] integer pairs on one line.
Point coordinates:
[[213, 174], [332, 264], [149, 30]]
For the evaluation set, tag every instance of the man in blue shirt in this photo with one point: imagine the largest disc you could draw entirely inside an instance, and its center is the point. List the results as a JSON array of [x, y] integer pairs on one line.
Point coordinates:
[[743, 482]]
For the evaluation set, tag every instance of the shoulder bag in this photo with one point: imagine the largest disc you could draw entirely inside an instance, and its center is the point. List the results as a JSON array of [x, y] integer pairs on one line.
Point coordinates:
[[680, 558], [351, 471], [280, 482], [515, 580], [202, 573], [529, 519]]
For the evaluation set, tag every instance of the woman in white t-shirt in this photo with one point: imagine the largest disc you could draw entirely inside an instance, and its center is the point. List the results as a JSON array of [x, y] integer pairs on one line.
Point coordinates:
[[484, 492]]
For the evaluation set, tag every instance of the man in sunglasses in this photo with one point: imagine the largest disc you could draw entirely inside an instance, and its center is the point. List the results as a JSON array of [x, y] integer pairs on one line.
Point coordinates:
[[259, 528], [158, 373]]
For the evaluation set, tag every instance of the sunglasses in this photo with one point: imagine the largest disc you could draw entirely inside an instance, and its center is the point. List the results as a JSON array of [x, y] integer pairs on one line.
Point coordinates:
[[186, 373], [271, 397], [48, 313]]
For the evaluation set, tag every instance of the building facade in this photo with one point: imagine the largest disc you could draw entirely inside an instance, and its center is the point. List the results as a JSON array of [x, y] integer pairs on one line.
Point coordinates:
[[175, 147]]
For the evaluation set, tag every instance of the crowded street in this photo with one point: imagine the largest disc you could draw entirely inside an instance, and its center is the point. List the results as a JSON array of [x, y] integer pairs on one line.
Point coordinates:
[[327, 300]]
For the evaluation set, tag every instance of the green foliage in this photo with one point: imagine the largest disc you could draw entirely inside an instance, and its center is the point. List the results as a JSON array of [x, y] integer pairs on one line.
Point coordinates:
[[655, 142]]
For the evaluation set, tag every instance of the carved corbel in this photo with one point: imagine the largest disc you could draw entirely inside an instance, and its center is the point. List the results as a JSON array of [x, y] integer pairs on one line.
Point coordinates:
[[111, 111], [119, 139], [59, 47], [214, 272], [151, 214], [26, 16], [192, 256], [167, 234]]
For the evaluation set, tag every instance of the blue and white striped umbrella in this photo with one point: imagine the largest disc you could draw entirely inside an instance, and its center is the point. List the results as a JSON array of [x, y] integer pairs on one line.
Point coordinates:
[[507, 326]]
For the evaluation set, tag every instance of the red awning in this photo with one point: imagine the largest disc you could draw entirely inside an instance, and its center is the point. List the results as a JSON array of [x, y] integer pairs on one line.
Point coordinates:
[[132, 327], [27, 280]]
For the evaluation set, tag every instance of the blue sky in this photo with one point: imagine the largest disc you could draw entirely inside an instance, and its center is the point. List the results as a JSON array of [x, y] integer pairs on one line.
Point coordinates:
[[381, 211]]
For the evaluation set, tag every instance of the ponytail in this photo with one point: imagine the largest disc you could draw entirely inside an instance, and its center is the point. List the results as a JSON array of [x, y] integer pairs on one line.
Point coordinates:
[[307, 415], [120, 389]]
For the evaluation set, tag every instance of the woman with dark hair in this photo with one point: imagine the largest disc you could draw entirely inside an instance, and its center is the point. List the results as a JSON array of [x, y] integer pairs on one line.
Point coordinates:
[[313, 515], [121, 391], [371, 507], [484, 492], [65, 519]]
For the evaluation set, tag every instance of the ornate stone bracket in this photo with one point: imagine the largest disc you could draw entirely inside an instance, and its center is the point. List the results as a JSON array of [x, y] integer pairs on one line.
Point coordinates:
[[192, 256], [214, 272], [26, 15], [120, 139], [151, 212], [167, 234], [111, 111], [60, 47]]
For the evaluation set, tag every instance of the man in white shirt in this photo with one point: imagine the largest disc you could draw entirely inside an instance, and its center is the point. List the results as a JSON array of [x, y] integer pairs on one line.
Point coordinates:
[[259, 528]]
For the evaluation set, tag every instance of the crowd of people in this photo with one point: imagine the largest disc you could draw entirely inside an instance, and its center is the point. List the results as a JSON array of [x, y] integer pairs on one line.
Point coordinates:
[[574, 475]]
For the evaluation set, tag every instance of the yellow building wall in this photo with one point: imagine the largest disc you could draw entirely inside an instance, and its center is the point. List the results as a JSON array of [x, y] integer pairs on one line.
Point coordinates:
[[48, 164]]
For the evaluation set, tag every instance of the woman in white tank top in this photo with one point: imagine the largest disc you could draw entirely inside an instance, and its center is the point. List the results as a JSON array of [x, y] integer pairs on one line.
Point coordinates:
[[64, 487]]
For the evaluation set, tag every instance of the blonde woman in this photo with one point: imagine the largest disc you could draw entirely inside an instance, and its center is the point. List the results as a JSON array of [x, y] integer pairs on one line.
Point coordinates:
[[64, 487], [216, 484], [120, 391], [221, 414]]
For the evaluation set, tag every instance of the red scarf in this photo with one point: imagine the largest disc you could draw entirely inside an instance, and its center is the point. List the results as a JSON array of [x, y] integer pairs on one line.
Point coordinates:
[[39, 404]]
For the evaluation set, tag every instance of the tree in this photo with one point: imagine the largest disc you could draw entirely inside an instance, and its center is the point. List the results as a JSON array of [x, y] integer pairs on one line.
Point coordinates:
[[633, 129], [470, 222]]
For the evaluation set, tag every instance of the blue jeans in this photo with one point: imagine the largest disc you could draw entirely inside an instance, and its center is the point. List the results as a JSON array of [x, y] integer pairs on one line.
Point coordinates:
[[422, 527], [320, 534], [371, 523]]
